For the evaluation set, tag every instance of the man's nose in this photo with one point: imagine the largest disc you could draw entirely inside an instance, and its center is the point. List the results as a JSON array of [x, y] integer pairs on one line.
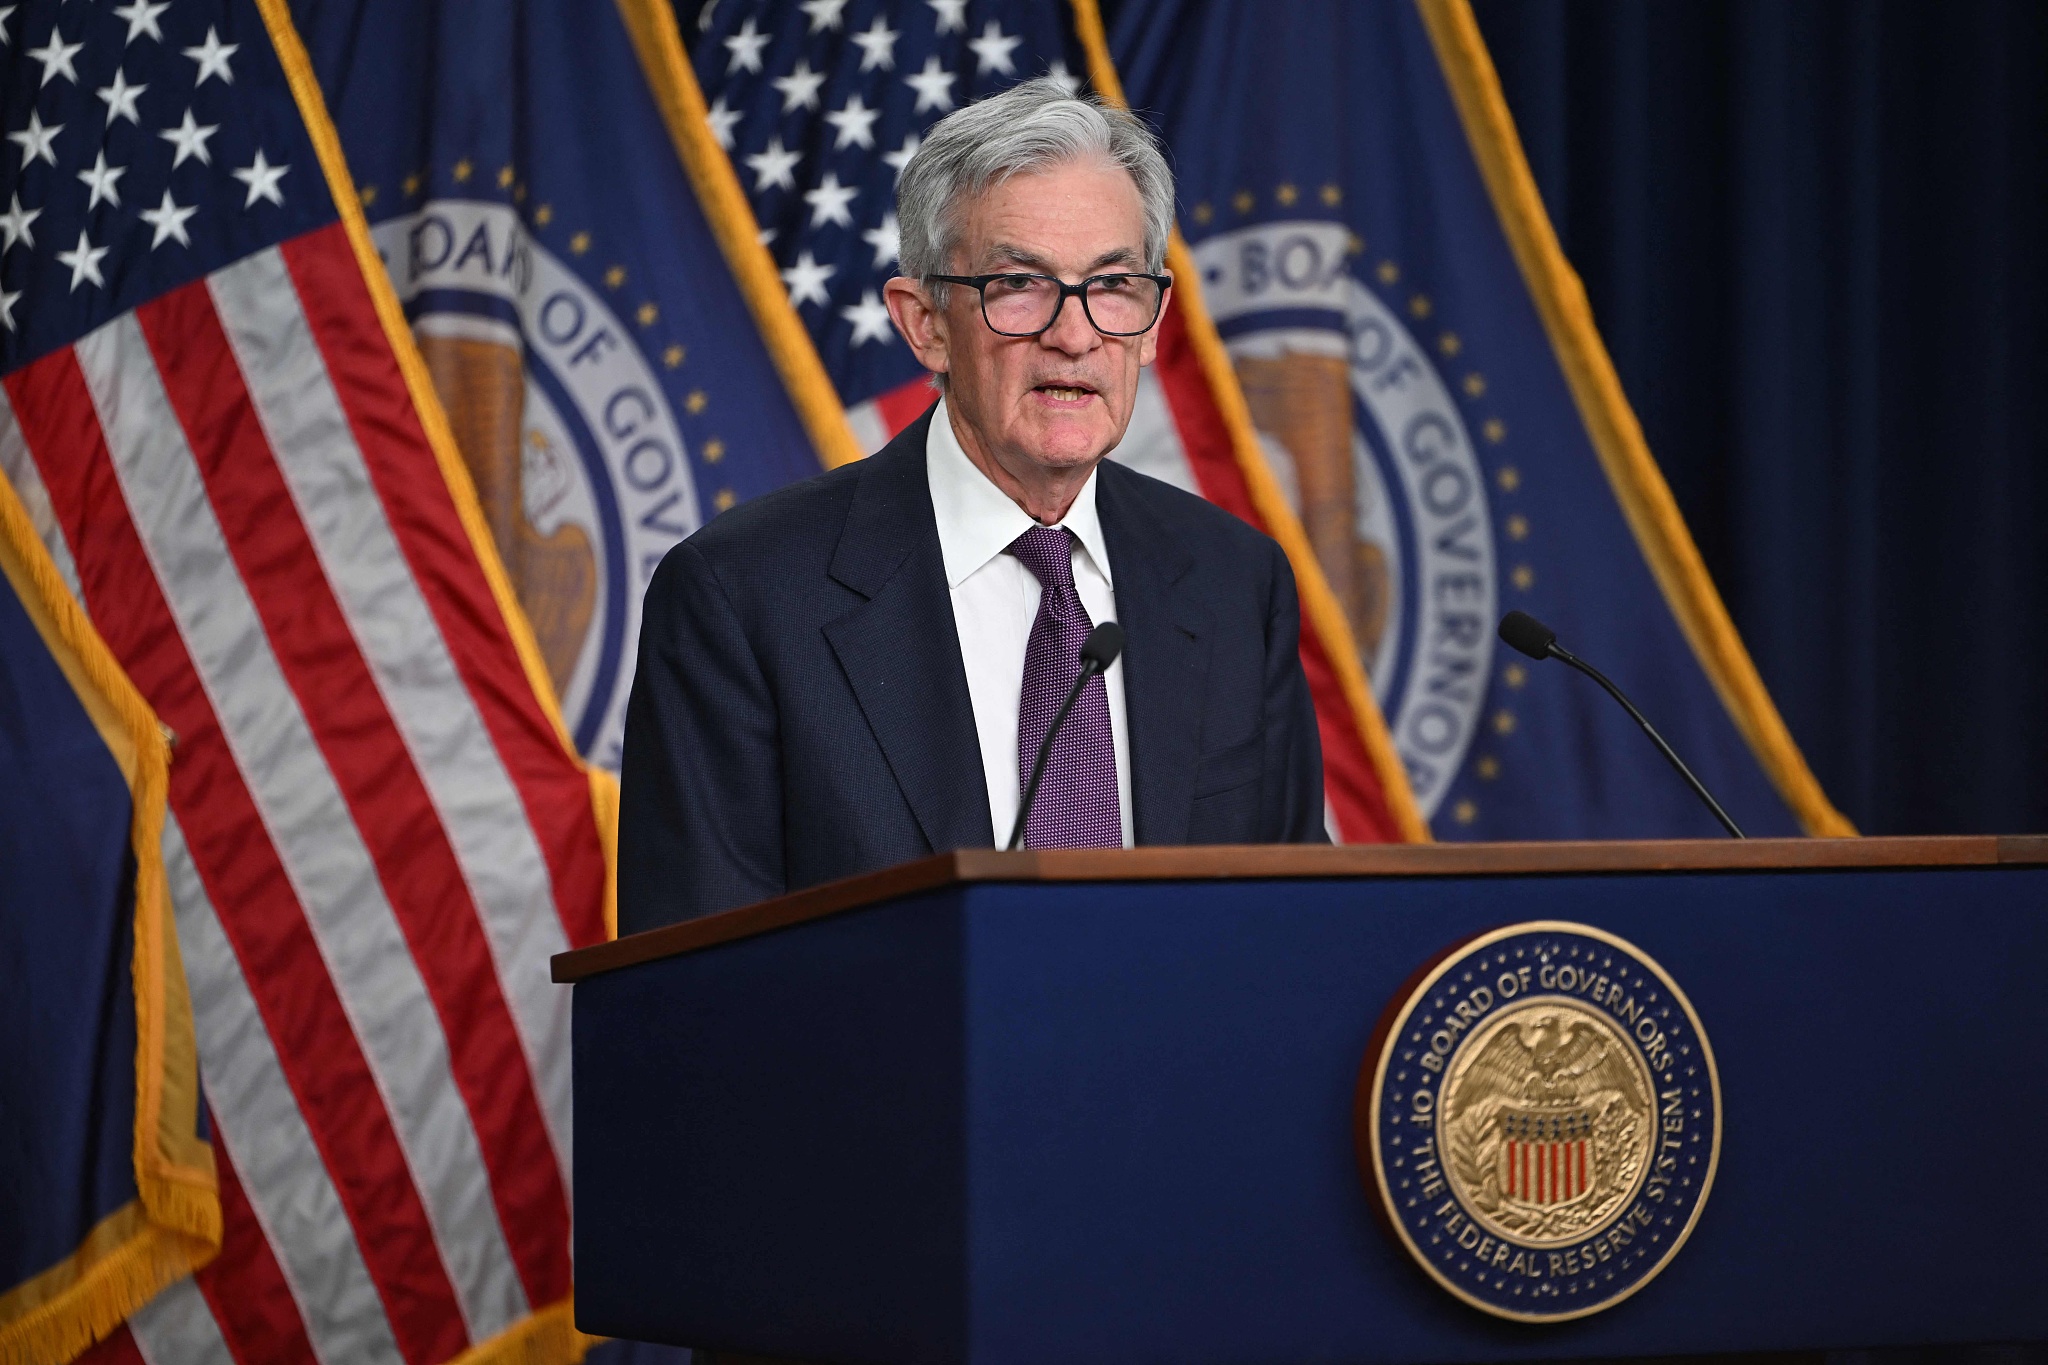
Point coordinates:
[[1071, 332]]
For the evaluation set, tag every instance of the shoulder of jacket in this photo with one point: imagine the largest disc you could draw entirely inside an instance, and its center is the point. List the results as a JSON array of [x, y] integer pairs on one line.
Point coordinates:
[[1189, 515]]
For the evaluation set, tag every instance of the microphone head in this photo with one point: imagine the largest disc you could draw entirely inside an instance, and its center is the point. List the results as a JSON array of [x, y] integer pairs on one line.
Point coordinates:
[[1527, 634], [1102, 646]]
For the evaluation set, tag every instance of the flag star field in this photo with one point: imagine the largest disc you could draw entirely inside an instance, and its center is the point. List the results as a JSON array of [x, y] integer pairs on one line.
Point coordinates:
[[821, 105], [149, 145]]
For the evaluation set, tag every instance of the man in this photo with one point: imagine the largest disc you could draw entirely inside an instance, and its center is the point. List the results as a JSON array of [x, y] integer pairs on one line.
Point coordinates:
[[858, 670]]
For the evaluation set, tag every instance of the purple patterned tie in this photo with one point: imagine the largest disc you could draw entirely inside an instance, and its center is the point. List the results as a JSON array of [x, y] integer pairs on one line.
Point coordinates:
[[1076, 805]]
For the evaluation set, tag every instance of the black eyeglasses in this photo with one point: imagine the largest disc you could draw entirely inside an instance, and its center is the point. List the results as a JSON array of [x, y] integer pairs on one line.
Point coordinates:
[[1021, 305]]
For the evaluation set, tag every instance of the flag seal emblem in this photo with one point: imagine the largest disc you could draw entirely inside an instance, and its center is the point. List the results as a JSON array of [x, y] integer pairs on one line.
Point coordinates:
[[1539, 1120], [578, 457], [1365, 430]]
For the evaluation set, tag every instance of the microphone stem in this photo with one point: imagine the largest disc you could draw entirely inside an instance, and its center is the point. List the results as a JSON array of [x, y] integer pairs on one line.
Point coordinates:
[[1088, 670], [1559, 652]]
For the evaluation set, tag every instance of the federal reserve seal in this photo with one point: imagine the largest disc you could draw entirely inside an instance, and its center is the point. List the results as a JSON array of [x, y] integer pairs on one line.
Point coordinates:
[[579, 461], [1540, 1120], [1364, 431]]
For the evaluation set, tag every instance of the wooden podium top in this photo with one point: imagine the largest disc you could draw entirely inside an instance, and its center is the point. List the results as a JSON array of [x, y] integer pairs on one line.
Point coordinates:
[[1262, 861]]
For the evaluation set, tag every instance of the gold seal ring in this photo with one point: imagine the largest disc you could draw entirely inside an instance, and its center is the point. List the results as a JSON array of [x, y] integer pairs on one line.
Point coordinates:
[[1539, 1116]]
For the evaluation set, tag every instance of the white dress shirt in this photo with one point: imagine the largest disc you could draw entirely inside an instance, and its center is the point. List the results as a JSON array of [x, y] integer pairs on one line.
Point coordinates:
[[995, 600]]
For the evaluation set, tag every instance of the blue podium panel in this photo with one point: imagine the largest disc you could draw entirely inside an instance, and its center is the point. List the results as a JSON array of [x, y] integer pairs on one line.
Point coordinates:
[[1113, 1122]]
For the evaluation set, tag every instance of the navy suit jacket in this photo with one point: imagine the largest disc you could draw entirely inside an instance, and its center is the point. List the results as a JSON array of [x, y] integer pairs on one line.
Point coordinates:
[[800, 712]]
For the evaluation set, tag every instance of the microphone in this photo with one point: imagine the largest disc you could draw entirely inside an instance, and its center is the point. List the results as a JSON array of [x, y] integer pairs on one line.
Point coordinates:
[[1530, 636], [1098, 652]]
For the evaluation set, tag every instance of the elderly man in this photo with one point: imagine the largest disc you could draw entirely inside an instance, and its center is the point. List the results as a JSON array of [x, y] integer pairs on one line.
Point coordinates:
[[859, 670]]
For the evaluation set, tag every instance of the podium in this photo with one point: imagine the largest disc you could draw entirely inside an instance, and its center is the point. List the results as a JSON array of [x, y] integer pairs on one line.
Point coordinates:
[[1097, 1106]]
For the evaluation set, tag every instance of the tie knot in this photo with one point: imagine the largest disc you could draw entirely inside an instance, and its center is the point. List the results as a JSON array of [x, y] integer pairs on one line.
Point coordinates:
[[1048, 551]]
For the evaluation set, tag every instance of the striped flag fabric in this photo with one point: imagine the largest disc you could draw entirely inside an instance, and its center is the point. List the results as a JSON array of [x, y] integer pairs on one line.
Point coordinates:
[[819, 105], [378, 831]]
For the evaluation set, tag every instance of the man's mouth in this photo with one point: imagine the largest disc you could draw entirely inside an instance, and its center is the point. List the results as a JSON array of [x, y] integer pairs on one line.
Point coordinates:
[[1066, 393]]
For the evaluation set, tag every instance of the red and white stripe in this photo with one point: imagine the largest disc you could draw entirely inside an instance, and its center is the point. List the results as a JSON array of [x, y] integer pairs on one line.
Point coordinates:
[[1177, 434], [1546, 1172], [378, 834]]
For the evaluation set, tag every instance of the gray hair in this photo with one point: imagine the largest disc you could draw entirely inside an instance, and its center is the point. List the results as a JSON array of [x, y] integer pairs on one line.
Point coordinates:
[[1028, 127]]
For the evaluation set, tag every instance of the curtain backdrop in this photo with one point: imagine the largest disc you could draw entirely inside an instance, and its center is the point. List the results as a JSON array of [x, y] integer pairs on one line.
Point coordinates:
[[1814, 235]]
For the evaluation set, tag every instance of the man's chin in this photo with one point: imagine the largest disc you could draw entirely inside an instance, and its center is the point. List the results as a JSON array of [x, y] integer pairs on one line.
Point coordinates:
[[1069, 435]]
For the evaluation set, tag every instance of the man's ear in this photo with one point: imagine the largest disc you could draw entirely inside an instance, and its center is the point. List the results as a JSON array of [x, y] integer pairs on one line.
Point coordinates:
[[920, 322], [1148, 345]]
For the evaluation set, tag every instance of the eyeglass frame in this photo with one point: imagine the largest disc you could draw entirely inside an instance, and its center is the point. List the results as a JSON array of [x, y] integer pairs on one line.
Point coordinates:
[[980, 284]]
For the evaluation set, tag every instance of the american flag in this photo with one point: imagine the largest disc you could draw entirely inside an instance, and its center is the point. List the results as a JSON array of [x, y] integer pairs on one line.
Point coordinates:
[[820, 104], [378, 833]]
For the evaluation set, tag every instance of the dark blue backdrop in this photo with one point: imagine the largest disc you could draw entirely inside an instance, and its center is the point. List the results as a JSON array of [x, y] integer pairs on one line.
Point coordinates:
[[1813, 234]]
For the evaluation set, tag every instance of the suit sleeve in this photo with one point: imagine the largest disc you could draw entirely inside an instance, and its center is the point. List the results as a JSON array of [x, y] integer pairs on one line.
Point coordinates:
[[700, 816], [1294, 747]]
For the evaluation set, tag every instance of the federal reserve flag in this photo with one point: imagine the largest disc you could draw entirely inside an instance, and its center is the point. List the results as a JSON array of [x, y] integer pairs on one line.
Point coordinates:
[[1423, 368], [607, 385]]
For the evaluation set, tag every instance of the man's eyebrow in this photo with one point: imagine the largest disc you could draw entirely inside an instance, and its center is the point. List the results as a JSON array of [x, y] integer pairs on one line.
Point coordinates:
[[1123, 255], [1005, 253]]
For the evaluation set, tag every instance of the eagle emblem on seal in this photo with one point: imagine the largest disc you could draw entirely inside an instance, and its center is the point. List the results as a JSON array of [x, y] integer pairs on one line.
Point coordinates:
[[1545, 1126]]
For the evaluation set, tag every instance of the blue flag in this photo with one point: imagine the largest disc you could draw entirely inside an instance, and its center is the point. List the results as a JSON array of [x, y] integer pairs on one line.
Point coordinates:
[[107, 1188], [606, 381], [1423, 366]]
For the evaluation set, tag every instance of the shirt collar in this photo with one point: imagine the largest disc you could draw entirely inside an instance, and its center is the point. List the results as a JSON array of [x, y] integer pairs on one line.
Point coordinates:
[[977, 520]]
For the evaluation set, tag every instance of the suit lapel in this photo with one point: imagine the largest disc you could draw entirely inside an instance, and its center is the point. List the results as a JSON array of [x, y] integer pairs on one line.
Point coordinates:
[[1166, 658], [901, 651]]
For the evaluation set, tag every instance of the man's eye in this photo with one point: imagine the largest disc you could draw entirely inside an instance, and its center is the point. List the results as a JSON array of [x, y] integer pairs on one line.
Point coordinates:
[[1016, 284], [1112, 283]]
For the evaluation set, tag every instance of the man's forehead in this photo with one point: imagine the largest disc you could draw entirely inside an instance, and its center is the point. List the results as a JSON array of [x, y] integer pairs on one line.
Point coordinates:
[[1074, 216]]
